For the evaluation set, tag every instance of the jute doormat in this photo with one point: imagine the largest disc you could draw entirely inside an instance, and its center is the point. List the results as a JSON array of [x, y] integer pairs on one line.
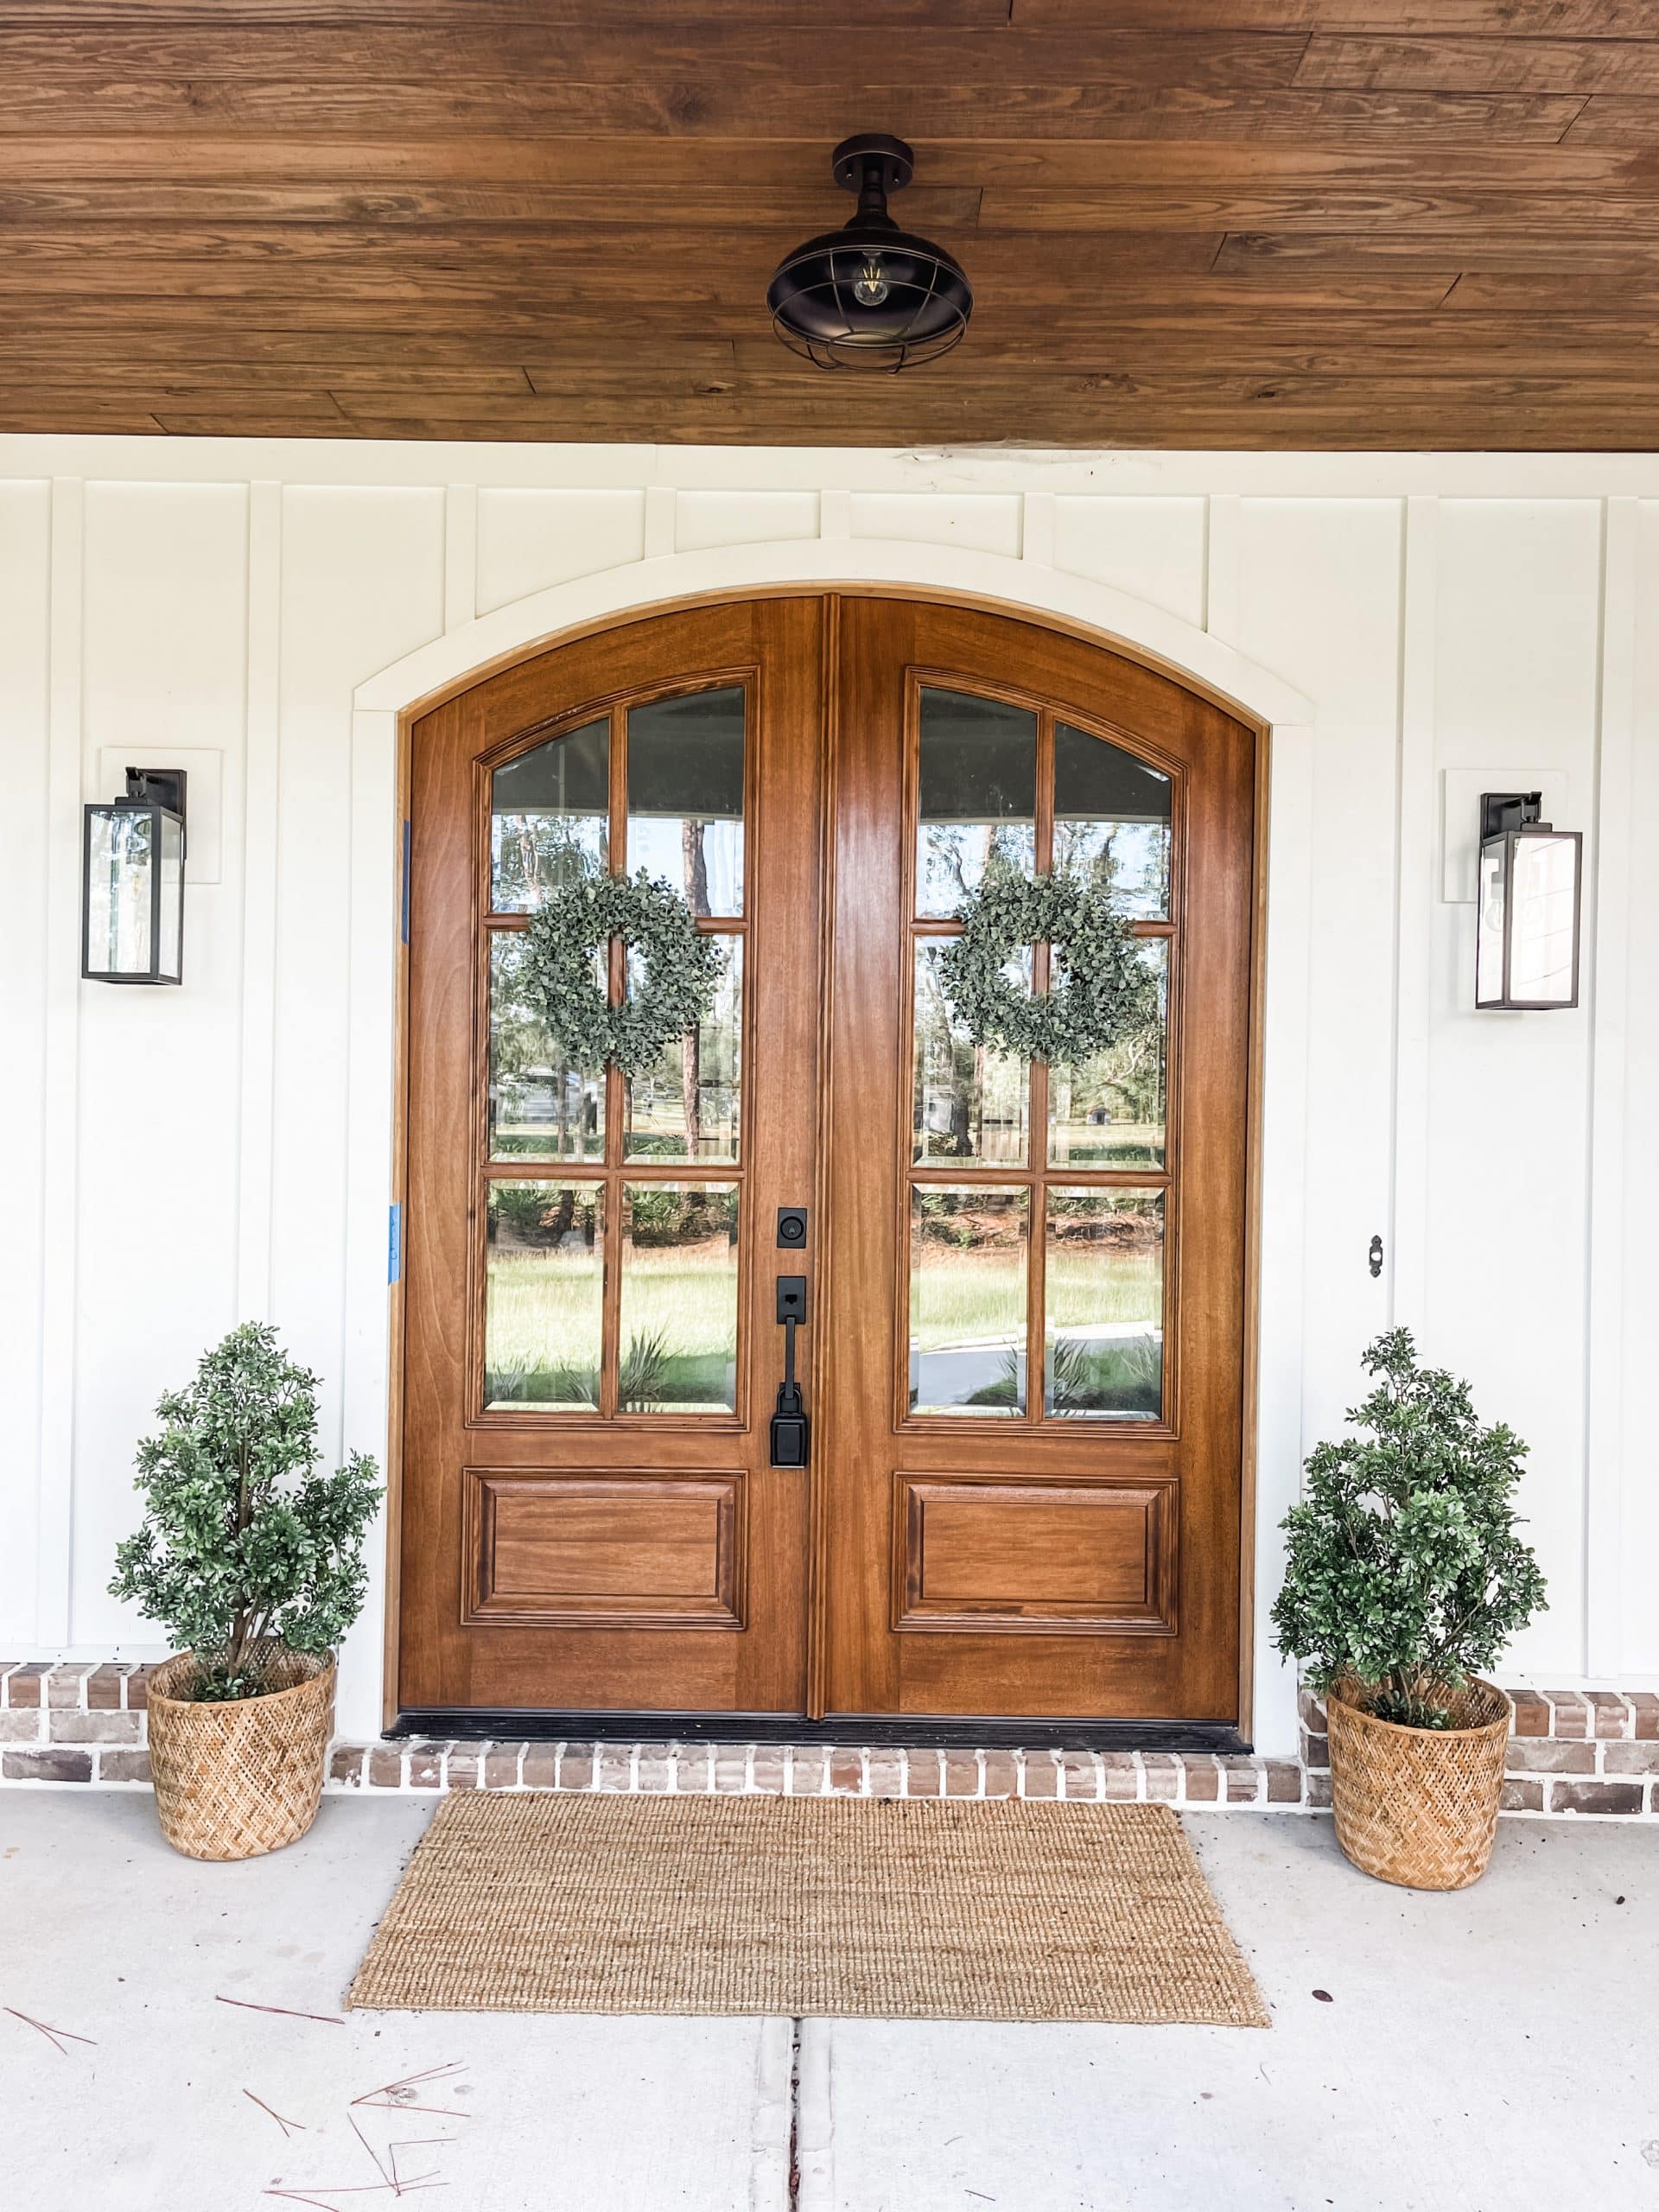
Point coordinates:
[[895, 1908]]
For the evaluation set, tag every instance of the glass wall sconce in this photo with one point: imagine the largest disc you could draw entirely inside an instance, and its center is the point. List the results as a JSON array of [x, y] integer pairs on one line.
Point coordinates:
[[1527, 941], [132, 882]]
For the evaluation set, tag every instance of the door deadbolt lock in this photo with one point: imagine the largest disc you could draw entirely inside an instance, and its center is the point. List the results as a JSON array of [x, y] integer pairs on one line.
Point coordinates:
[[791, 1229]]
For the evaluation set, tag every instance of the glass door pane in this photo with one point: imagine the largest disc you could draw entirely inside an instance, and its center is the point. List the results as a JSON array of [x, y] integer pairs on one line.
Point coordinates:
[[1103, 1297], [677, 1338], [1112, 820], [544, 1296], [1110, 1111], [685, 796], [978, 794], [971, 1101], [968, 1300], [550, 814]]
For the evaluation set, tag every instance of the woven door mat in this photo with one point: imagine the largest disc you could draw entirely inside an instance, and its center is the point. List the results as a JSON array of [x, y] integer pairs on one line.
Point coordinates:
[[857, 1908]]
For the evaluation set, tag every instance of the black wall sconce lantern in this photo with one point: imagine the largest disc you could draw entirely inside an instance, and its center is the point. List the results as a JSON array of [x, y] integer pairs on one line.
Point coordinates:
[[132, 882], [1529, 899], [870, 295]]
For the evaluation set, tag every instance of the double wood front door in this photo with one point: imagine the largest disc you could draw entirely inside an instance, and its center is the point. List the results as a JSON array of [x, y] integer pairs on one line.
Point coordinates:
[[1024, 1351]]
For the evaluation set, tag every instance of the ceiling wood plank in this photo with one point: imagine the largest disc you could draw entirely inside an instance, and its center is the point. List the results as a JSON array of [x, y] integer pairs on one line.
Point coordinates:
[[1430, 223]]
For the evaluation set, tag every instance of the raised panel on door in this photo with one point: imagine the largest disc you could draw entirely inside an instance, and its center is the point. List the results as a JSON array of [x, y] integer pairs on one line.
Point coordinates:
[[589, 1518], [1031, 1471]]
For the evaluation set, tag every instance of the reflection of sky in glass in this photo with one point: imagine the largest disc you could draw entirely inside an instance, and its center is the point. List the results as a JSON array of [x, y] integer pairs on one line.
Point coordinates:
[[659, 846]]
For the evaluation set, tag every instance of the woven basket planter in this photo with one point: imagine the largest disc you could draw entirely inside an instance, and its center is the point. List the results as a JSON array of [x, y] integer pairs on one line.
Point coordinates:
[[1419, 1806], [244, 1777]]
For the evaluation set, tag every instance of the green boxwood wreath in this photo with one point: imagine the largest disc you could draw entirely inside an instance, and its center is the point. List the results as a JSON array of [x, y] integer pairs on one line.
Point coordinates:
[[1100, 989], [675, 993]]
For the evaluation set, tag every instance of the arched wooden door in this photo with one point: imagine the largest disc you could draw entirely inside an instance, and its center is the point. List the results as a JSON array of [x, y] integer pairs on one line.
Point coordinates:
[[1025, 1344]]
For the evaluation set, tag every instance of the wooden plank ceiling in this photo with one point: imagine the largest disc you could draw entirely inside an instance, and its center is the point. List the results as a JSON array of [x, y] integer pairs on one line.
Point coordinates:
[[1239, 223]]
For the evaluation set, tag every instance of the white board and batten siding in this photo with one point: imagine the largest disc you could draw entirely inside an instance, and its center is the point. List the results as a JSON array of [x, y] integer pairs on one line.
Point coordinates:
[[178, 1160]]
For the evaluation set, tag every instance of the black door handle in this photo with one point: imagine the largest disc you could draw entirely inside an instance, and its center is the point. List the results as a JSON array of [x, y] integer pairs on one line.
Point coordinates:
[[791, 1431]]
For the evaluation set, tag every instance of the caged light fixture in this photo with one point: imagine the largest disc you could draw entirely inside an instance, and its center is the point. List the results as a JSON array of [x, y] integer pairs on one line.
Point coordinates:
[[870, 295]]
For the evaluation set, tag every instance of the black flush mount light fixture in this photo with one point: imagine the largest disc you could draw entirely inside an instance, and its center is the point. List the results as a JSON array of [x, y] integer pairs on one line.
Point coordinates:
[[1527, 937], [132, 882], [870, 295]]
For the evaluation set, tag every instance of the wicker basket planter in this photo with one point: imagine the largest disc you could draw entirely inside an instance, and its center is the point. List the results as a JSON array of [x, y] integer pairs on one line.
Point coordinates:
[[235, 1780], [1419, 1806]]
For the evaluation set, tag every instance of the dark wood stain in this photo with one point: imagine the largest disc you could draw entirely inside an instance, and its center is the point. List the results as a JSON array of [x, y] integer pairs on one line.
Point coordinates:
[[965, 1564], [1223, 223]]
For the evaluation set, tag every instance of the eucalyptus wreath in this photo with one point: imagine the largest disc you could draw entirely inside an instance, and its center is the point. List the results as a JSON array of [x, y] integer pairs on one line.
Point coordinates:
[[673, 994], [1100, 989]]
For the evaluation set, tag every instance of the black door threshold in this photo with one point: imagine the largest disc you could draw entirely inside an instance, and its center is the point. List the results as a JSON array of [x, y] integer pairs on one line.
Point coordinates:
[[920, 1731]]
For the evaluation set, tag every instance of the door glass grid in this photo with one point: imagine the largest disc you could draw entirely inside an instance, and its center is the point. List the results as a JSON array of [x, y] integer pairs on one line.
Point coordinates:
[[610, 1276], [1037, 1196]]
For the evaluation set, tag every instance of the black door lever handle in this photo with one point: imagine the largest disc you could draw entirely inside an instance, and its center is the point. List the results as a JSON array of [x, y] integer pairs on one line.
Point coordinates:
[[791, 1430]]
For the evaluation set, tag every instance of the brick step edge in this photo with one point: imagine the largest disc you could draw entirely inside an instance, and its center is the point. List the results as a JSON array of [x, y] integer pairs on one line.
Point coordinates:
[[1571, 1753]]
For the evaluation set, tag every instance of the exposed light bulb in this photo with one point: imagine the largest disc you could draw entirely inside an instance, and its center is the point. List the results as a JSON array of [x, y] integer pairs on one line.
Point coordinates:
[[870, 285]]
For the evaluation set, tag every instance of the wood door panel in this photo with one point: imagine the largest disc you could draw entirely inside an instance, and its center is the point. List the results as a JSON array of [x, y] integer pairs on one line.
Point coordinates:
[[1036, 1558], [1157, 1593], [639, 1635], [639, 1550]]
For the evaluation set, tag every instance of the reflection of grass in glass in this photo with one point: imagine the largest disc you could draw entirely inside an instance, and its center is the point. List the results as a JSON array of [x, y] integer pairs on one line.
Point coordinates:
[[540, 1141], [679, 1327], [685, 1296], [1087, 1286], [544, 1314], [966, 1297]]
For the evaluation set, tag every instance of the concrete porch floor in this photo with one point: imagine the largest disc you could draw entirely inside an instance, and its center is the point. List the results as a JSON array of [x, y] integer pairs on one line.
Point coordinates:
[[1491, 2052]]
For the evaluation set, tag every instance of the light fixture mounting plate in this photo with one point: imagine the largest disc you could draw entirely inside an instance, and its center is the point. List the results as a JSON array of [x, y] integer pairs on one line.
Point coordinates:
[[854, 156]]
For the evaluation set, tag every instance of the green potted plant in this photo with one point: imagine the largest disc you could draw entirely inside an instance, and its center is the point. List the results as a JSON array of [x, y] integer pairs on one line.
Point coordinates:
[[253, 1563], [1404, 1574]]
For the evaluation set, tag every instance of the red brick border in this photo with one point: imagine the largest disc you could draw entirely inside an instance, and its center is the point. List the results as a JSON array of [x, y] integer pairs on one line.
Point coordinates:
[[1572, 1752]]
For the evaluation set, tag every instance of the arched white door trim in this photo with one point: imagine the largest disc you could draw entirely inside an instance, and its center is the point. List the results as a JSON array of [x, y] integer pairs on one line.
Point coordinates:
[[1114, 618], [385, 703]]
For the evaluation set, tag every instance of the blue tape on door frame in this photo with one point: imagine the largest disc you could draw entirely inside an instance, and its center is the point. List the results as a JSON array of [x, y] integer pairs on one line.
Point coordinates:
[[405, 883], [395, 1245]]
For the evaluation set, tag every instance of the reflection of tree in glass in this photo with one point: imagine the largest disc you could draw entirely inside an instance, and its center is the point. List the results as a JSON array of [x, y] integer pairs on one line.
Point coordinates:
[[950, 1062], [955, 1217], [534, 1216], [952, 867], [1130, 857], [534, 853], [524, 1059], [697, 897]]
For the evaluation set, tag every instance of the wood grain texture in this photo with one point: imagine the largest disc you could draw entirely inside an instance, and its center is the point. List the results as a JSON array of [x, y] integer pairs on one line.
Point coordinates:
[[965, 1564], [889, 1652], [580, 203]]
